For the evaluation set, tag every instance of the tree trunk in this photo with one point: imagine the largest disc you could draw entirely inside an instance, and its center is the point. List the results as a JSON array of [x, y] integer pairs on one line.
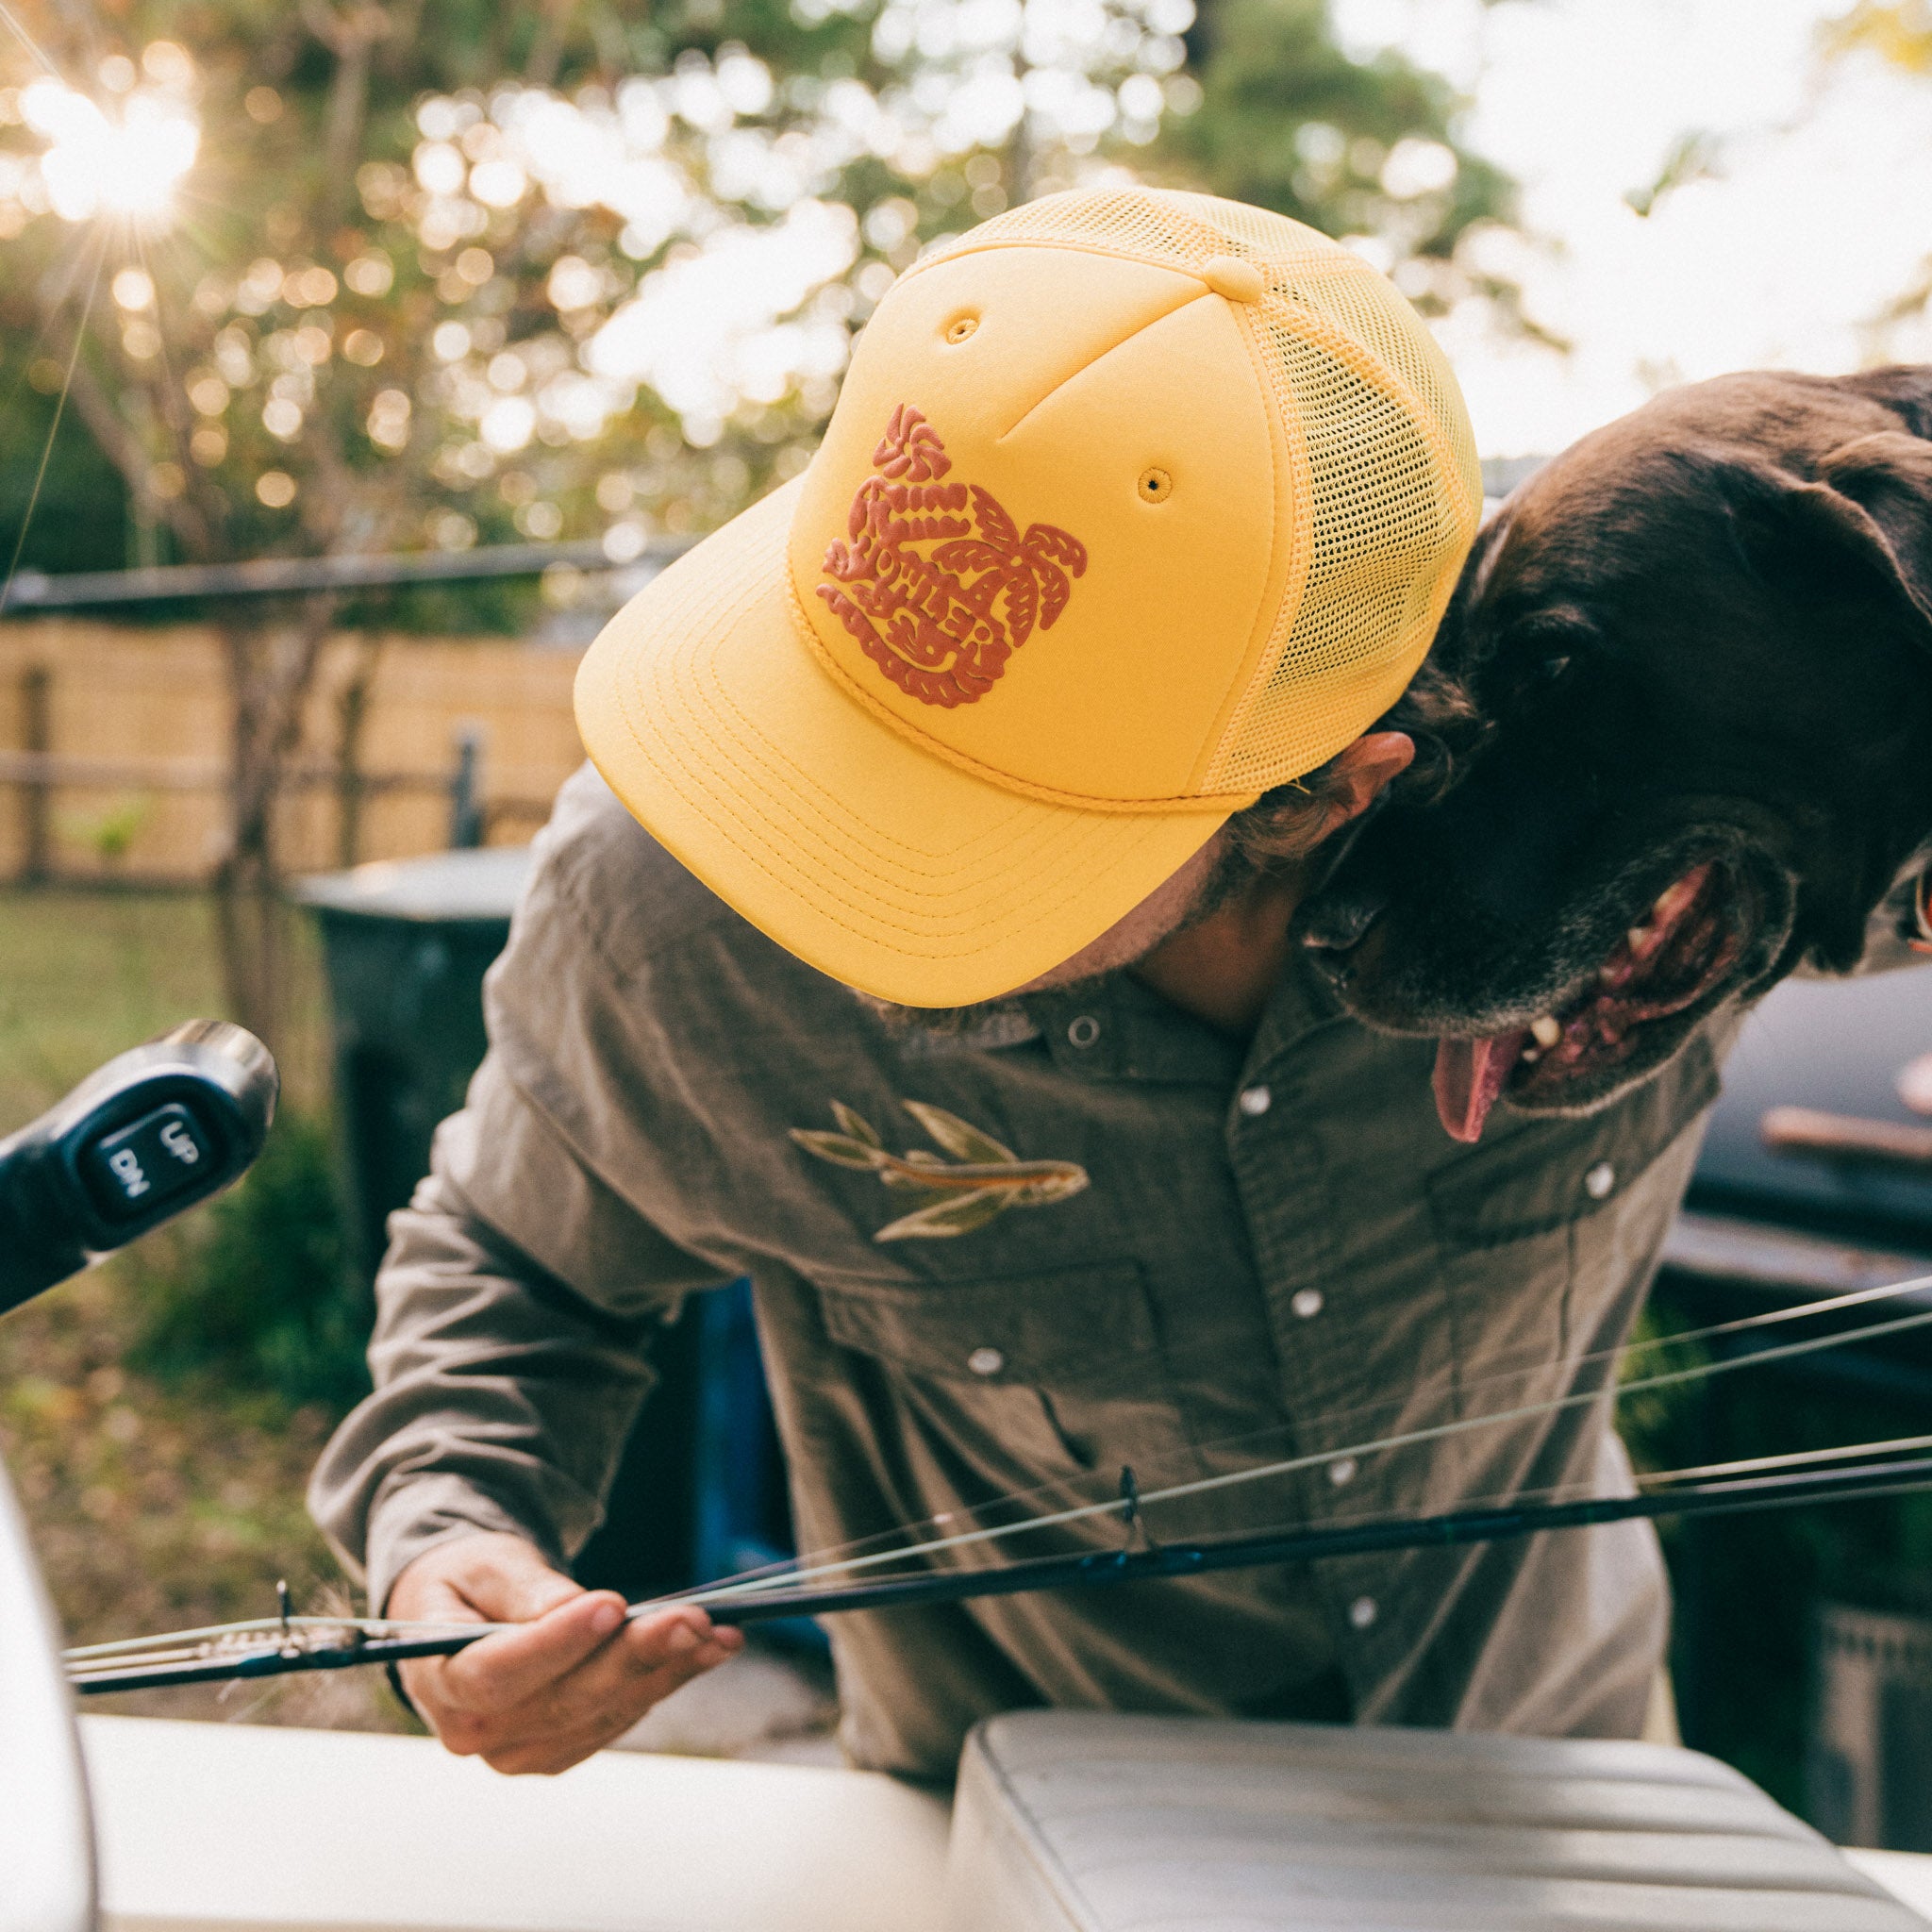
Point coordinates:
[[271, 672]]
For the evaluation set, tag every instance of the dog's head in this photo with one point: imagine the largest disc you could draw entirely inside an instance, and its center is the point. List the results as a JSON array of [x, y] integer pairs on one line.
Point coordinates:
[[1686, 689]]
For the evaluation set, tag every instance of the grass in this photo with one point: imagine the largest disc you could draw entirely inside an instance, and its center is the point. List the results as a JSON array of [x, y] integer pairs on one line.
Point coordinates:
[[85, 974], [162, 1481]]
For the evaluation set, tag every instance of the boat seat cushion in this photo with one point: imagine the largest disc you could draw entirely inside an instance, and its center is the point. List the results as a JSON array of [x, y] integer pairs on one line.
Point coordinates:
[[1081, 1822]]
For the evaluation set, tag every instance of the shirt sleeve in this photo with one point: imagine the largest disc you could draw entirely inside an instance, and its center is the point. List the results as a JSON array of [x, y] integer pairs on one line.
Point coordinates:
[[509, 1353]]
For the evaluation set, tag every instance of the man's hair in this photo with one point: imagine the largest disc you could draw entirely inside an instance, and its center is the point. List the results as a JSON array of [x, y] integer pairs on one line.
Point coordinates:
[[1284, 825]]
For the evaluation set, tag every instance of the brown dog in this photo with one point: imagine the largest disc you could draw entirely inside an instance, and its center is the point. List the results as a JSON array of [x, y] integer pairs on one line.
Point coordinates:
[[1688, 683]]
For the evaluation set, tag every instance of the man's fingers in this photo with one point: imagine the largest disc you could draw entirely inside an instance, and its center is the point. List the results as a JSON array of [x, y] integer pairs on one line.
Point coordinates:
[[585, 1708], [540, 1744], [488, 1576], [571, 1675], [623, 1680], [671, 1635], [508, 1666], [516, 1585]]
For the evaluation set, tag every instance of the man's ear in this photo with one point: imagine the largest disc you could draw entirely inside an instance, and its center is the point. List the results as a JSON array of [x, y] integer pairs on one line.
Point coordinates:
[[1873, 498], [1361, 771]]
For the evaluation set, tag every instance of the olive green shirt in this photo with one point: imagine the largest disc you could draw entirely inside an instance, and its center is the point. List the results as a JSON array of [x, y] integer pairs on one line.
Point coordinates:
[[1094, 1232]]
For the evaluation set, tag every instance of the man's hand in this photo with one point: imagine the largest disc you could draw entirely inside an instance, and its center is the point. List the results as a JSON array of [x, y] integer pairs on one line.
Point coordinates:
[[545, 1697]]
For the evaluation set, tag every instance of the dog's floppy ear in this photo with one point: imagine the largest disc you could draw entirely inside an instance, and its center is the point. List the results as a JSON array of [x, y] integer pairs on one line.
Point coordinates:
[[1876, 490]]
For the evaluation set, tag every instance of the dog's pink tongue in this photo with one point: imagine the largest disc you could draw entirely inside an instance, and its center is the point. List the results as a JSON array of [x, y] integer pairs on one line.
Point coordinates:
[[1469, 1076]]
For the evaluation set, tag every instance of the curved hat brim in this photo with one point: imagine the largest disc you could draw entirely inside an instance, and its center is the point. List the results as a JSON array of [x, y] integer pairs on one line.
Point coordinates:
[[890, 869]]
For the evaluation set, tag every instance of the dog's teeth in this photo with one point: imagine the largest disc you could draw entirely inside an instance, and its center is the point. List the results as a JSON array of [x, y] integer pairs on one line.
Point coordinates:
[[1638, 936], [1530, 1055], [1546, 1031]]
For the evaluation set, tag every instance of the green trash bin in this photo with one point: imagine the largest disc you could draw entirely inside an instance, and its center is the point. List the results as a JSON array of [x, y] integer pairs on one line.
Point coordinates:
[[405, 945]]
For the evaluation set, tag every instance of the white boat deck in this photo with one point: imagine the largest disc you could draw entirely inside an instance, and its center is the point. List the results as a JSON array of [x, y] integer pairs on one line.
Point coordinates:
[[243, 1828], [239, 1829]]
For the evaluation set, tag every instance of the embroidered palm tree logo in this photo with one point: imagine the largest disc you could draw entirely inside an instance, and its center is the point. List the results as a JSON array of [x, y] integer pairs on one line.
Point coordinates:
[[1028, 574], [941, 626], [978, 1185]]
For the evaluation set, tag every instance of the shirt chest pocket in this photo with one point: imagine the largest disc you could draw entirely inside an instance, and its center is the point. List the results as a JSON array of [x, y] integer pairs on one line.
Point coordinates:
[[1022, 1379], [1545, 1240]]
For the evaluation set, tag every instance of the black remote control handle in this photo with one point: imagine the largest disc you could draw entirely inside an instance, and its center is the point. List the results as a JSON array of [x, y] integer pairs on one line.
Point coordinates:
[[152, 1133]]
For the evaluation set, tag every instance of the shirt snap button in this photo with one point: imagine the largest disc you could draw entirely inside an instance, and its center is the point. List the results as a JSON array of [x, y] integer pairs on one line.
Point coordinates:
[[985, 1362], [1341, 1471], [1305, 1302], [1083, 1031], [1599, 1181], [1363, 1612], [1255, 1100]]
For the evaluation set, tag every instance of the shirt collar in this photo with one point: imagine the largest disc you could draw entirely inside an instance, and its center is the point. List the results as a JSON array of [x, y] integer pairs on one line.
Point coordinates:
[[1116, 1028]]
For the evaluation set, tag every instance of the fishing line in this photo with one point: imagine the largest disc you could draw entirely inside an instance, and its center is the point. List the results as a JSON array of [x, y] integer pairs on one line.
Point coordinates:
[[1403, 1440], [1128, 1373], [193, 1647], [19, 385], [59, 411], [180, 1645], [822, 1562], [738, 1591], [1750, 1465], [371, 1644], [9, 21], [203, 1645], [786, 1570], [1456, 1528]]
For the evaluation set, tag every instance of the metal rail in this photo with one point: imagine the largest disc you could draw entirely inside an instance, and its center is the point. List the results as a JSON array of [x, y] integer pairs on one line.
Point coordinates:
[[275, 577], [65, 771]]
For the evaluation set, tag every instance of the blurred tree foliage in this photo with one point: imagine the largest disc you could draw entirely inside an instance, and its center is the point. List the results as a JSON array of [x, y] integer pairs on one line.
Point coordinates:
[[444, 271], [1899, 31], [1366, 148], [381, 274]]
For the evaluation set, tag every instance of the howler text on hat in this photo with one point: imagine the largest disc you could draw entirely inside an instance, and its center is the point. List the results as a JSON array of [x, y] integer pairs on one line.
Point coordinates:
[[1134, 505]]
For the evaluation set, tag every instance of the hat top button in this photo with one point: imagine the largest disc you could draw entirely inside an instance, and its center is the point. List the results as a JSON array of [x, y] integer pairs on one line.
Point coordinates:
[[1240, 281]]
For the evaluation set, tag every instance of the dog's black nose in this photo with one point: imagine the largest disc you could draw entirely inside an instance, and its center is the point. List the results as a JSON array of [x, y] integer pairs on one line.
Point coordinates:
[[1337, 922]]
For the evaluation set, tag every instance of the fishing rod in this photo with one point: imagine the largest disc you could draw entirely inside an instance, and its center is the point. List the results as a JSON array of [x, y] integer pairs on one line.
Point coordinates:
[[286, 1644], [289, 1647], [274, 1646]]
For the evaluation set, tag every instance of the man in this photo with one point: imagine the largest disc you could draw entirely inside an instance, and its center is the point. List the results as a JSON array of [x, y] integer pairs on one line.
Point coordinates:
[[950, 997]]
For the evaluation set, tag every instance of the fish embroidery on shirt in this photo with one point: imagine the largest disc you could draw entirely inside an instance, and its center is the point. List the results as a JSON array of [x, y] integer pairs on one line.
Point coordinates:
[[977, 1186]]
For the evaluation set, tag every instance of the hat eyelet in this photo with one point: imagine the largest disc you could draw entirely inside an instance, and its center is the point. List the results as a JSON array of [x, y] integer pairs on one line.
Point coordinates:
[[960, 328], [1155, 486]]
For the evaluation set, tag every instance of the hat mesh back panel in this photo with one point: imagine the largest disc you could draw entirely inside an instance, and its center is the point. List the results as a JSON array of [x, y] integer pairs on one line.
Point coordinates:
[[1393, 464]]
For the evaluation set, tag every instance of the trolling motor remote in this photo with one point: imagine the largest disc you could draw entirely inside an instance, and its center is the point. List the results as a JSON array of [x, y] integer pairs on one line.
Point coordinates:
[[152, 1133]]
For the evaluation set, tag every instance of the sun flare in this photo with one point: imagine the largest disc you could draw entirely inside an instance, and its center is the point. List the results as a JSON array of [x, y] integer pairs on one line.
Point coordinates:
[[128, 162]]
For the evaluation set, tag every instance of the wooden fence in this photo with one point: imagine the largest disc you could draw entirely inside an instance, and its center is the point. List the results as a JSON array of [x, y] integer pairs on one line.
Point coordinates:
[[113, 750]]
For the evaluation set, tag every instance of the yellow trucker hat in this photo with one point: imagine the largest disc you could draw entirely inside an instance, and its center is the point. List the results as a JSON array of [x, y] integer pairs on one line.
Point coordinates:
[[1134, 505]]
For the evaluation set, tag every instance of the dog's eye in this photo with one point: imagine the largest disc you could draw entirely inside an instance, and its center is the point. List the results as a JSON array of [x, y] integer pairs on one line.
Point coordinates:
[[1527, 675], [1538, 654]]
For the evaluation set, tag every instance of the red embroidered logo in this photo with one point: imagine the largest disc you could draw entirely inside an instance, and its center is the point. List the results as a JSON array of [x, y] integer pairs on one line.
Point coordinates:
[[943, 626]]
